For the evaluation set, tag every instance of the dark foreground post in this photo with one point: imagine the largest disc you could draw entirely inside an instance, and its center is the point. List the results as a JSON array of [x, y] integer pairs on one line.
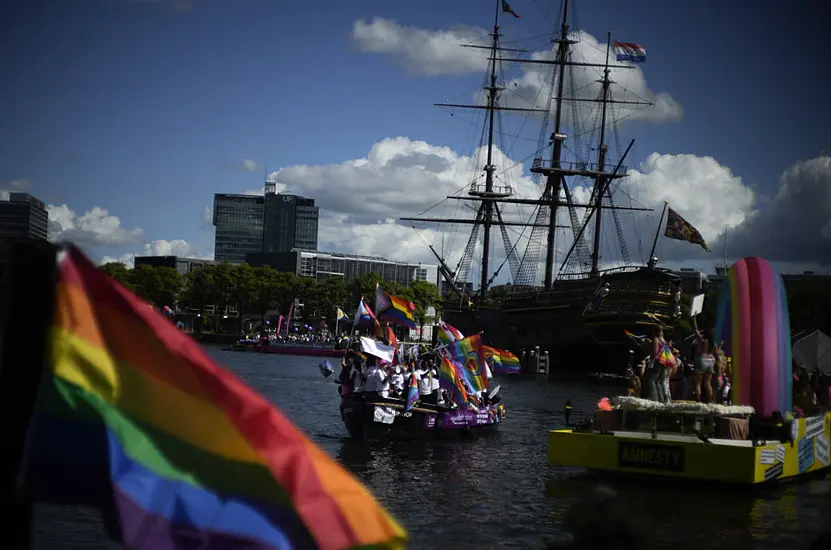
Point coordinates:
[[25, 315]]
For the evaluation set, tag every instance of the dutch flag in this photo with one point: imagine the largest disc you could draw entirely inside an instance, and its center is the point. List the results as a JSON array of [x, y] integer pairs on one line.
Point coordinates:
[[629, 51]]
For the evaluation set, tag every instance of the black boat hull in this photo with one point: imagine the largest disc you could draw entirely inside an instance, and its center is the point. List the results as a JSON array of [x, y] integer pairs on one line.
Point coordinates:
[[371, 417], [558, 322]]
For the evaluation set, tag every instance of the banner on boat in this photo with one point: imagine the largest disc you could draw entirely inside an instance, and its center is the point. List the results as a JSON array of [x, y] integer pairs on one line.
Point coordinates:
[[649, 456], [461, 419]]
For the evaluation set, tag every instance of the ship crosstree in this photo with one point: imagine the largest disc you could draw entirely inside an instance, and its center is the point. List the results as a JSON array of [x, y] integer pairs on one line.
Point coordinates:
[[486, 198]]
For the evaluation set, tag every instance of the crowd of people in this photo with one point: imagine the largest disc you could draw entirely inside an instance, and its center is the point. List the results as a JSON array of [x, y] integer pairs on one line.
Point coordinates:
[[658, 370], [367, 374]]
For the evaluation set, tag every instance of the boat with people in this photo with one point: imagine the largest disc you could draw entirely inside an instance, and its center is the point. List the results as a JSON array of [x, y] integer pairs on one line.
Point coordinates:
[[388, 392], [768, 425]]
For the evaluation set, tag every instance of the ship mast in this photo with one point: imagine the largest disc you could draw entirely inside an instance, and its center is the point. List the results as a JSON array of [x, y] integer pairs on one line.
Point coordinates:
[[489, 195], [487, 207], [555, 179], [603, 148]]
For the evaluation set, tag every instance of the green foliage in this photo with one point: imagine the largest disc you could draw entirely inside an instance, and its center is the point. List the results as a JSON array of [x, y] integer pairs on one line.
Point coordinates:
[[119, 272], [161, 286]]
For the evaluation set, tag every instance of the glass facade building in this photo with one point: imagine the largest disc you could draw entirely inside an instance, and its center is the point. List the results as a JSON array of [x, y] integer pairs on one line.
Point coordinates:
[[23, 217], [273, 222]]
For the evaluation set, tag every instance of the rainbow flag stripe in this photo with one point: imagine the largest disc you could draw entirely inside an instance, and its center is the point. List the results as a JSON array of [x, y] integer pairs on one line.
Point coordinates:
[[412, 393], [394, 309], [469, 353], [177, 451], [504, 362], [447, 334], [450, 380]]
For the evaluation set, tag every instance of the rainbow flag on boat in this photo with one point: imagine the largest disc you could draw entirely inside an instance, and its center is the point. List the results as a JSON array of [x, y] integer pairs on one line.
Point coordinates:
[[502, 360], [393, 309], [134, 418], [469, 354], [450, 379], [412, 393], [447, 334]]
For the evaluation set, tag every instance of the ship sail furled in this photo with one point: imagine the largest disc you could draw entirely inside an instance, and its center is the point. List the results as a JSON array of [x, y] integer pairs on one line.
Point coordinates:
[[555, 175]]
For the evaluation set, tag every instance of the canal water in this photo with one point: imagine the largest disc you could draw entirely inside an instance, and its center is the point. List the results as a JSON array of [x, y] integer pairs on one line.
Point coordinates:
[[496, 491]]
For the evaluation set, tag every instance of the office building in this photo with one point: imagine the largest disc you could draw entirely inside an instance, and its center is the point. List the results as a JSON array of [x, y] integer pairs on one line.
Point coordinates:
[[273, 222], [182, 265], [22, 217], [323, 265]]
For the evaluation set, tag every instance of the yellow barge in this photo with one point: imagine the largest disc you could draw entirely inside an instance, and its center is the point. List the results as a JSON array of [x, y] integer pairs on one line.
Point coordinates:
[[669, 443]]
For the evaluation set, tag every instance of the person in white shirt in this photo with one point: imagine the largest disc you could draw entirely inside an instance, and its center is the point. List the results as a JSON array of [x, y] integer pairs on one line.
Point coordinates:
[[397, 380], [377, 380]]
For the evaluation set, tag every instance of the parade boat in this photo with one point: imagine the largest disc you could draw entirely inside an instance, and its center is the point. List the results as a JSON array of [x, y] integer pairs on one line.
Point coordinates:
[[370, 416], [577, 113], [309, 350], [760, 439]]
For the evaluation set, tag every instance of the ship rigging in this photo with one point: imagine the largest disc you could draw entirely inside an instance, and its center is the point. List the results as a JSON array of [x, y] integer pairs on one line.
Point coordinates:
[[486, 198]]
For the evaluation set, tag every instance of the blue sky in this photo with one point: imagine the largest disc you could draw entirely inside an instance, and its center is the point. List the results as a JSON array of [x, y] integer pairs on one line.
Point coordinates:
[[146, 108]]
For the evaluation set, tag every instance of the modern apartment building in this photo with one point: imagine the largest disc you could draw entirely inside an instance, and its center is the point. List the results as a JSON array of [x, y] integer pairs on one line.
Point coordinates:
[[273, 222], [323, 265], [22, 217]]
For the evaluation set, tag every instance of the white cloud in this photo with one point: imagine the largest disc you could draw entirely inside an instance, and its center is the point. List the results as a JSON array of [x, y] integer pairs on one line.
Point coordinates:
[[93, 228], [14, 186], [249, 165], [361, 199], [440, 52], [795, 225], [160, 247]]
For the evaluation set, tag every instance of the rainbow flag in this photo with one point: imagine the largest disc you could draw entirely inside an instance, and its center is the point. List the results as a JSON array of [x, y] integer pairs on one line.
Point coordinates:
[[393, 309], [450, 380], [364, 315], [133, 417], [503, 361], [469, 353], [447, 334], [412, 393]]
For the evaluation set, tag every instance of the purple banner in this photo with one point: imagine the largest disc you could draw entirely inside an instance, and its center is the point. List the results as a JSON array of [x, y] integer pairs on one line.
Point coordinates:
[[461, 419]]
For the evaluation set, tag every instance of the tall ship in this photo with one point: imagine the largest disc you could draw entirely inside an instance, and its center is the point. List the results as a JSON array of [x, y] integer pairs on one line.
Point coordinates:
[[564, 296]]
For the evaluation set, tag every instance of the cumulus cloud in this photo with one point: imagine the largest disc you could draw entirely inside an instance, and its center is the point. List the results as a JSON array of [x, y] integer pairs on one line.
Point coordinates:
[[14, 186], [795, 225], [249, 165], [362, 199], [160, 247], [440, 52], [95, 227]]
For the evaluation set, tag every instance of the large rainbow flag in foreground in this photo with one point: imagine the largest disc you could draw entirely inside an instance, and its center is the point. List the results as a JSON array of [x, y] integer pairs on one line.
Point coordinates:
[[468, 353], [753, 322], [134, 418]]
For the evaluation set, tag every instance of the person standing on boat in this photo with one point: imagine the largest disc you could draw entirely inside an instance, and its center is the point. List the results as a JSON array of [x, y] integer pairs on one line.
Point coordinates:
[[424, 375], [705, 363], [662, 361], [397, 381], [377, 380]]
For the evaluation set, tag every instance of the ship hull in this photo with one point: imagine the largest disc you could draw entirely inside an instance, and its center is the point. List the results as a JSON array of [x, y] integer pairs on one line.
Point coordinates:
[[579, 339]]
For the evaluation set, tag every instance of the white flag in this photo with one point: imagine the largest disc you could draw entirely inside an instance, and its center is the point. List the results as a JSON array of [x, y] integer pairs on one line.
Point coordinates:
[[377, 349]]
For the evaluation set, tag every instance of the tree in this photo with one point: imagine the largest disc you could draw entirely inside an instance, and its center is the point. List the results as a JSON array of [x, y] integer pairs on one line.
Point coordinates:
[[424, 296], [119, 272], [364, 285], [266, 289], [329, 294], [201, 290], [161, 286]]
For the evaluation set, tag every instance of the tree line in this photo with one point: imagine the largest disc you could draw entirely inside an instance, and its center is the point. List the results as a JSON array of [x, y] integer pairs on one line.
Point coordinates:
[[260, 290]]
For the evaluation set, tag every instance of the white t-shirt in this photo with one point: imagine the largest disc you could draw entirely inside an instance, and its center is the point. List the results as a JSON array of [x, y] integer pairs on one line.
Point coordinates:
[[425, 386]]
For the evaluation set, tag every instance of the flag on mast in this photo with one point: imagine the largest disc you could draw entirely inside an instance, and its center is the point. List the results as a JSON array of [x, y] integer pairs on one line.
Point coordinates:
[[681, 230], [506, 8], [629, 51]]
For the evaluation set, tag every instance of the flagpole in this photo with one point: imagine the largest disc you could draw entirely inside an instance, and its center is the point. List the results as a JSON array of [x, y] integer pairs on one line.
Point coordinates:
[[651, 262], [337, 320]]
